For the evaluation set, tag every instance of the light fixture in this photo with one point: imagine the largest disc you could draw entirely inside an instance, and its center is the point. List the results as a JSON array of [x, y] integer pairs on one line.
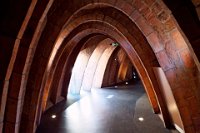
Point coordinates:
[[126, 83], [141, 119], [53, 116]]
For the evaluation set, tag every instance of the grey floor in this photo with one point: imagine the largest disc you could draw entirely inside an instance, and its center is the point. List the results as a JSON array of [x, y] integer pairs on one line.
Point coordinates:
[[105, 110]]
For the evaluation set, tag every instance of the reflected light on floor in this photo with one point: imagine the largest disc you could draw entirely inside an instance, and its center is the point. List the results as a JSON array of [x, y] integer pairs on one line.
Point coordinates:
[[141, 119], [86, 108], [110, 96], [53, 116]]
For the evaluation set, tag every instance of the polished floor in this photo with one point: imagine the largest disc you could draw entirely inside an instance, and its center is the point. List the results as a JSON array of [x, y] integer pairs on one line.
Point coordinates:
[[107, 110]]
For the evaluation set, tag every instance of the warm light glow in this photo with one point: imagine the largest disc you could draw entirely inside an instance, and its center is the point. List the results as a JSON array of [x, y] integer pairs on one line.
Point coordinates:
[[126, 83], [141, 119], [53, 53], [53, 116]]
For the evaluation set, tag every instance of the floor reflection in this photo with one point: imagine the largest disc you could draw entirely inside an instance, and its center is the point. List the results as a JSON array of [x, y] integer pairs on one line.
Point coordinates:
[[125, 110]]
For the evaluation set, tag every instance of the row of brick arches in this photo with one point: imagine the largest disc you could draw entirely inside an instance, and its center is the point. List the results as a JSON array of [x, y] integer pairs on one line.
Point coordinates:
[[41, 40]]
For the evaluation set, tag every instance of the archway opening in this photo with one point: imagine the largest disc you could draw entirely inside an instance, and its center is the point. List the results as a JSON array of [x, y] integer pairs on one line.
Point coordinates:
[[41, 59], [118, 74]]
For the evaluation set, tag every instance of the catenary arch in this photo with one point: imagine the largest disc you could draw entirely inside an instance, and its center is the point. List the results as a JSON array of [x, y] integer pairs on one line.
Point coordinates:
[[60, 81], [93, 64], [80, 20], [64, 60], [168, 65], [101, 28], [66, 74], [140, 21], [96, 27], [68, 29], [86, 26]]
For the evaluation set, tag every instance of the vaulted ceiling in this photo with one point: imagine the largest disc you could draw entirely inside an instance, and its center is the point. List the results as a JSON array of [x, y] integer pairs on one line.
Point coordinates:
[[40, 41]]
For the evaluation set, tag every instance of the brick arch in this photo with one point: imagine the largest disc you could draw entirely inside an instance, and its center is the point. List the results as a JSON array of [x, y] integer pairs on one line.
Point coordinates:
[[115, 35], [68, 65], [88, 19], [86, 28], [67, 48], [35, 110], [85, 80], [166, 65], [105, 32], [67, 52], [81, 64], [18, 69], [174, 50], [165, 32], [100, 70], [93, 63], [65, 58], [67, 73], [48, 77], [116, 63], [188, 18]]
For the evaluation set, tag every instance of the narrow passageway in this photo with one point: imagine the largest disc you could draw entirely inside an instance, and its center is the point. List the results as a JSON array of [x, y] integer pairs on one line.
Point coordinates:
[[119, 109]]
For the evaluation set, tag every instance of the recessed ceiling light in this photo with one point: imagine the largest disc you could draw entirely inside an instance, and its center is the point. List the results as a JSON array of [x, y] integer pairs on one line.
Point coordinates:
[[53, 116], [141, 119]]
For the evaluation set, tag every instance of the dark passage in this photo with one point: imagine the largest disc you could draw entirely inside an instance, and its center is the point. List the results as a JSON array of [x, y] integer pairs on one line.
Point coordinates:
[[105, 110]]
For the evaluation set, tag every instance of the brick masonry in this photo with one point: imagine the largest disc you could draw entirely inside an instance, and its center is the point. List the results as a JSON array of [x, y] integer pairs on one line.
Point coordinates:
[[36, 59]]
